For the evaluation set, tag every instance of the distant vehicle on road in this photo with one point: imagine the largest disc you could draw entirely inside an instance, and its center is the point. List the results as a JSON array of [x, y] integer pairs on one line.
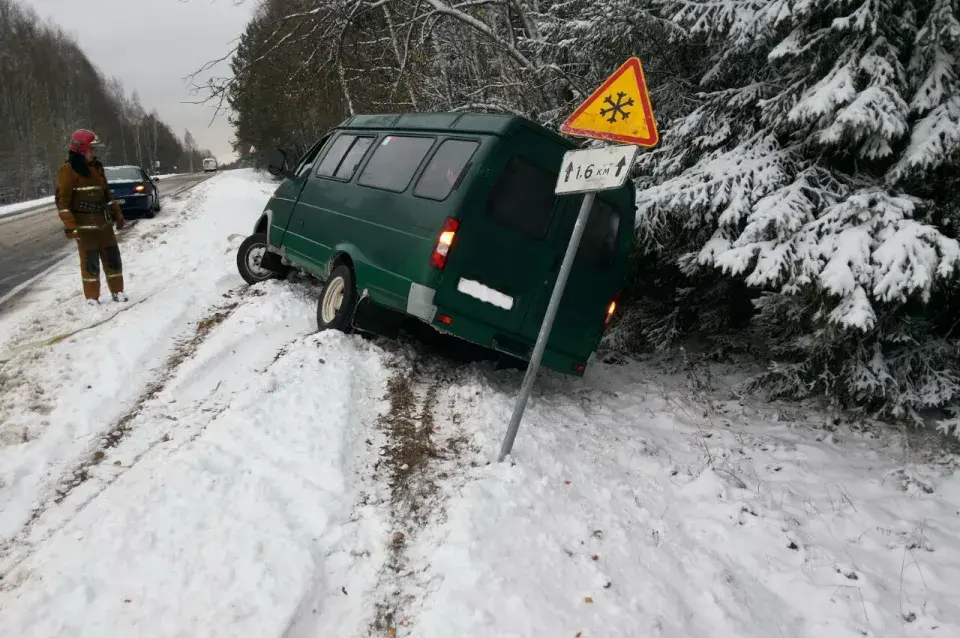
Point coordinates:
[[135, 191], [209, 165], [451, 219]]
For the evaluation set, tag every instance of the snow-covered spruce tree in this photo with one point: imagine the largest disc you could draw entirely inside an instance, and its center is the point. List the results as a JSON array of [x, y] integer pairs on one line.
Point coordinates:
[[819, 166]]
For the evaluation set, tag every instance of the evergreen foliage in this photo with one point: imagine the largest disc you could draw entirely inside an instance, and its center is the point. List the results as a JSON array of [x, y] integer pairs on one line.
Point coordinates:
[[817, 166]]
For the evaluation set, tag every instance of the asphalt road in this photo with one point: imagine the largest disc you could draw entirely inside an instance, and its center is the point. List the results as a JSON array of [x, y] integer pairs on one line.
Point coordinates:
[[31, 243]]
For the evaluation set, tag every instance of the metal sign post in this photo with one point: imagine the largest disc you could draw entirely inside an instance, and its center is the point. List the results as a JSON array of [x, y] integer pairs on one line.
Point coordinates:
[[548, 318], [618, 111], [584, 171]]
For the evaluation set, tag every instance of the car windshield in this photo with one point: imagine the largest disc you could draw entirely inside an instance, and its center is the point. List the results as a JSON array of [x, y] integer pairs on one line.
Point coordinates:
[[115, 174]]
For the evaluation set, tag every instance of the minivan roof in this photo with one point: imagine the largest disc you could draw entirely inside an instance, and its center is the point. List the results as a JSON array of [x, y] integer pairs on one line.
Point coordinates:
[[489, 123]]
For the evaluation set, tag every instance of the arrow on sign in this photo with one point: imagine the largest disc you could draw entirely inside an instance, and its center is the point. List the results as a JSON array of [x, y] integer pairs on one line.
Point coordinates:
[[569, 170], [623, 162]]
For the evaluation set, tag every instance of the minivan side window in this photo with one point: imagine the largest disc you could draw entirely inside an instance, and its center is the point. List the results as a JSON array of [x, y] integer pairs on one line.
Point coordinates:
[[393, 163], [353, 158], [598, 246], [523, 199], [444, 169], [328, 165]]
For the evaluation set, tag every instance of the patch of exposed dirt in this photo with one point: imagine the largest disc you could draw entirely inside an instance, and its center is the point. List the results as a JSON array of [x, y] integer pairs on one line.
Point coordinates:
[[421, 441], [19, 394], [410, 448]]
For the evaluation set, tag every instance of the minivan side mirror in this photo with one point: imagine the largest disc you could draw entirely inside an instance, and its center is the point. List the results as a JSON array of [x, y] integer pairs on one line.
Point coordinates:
[[277, 163]]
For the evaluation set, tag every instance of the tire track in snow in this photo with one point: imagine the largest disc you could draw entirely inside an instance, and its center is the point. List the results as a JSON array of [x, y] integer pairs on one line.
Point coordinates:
[[116, 434], [424, 444], [405, 465]]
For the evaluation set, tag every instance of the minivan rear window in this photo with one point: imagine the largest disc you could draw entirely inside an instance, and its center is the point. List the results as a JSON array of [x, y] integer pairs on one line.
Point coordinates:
[[598, 246], [393, 163], [328, 165], [444, 169], [523, 199]]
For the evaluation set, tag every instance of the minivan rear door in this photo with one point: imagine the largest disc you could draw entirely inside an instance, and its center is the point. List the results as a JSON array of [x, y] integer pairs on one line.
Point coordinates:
[[501, 252], [596, 274]]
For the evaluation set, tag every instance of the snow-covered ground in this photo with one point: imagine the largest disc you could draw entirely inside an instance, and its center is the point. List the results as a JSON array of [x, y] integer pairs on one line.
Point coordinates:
[[11, 209], [203, 464]]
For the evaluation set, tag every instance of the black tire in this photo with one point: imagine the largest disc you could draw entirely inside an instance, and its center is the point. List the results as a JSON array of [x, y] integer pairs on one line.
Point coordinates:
[[329, 315], [248, 260]]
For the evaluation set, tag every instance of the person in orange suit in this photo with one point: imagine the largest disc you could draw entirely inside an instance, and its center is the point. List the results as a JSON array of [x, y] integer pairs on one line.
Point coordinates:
[[89, 213]]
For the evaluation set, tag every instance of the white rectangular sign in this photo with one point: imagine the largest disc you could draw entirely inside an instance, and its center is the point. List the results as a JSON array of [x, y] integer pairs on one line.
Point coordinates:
[[595, 169]]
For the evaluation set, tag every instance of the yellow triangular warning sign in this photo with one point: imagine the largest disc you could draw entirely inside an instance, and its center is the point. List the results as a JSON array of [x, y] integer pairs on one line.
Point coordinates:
[[618, 111]]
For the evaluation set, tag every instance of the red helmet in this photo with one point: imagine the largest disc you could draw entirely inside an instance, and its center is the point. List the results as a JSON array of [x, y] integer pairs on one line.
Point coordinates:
[[82, 140]]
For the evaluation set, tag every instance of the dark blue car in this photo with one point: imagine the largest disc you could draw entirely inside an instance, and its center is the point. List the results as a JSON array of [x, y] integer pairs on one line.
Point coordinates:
[[134, 190]]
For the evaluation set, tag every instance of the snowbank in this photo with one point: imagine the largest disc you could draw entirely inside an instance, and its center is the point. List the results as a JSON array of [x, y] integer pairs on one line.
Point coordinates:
[[57, 399], [19, 207], [203, 464], [228, 522], [634, 510]]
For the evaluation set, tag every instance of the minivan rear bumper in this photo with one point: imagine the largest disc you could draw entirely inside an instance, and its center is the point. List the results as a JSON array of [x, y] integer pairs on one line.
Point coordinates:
[[421, 304], [489, 337]]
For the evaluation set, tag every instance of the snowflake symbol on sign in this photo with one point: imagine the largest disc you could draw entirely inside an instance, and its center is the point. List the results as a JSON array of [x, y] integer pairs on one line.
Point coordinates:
[[617, 107]]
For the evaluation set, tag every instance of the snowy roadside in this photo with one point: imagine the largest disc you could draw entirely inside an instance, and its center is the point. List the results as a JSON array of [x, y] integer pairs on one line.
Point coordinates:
[[203, 465], [641, 504], [56, 400], [19, 207], [199, 442]]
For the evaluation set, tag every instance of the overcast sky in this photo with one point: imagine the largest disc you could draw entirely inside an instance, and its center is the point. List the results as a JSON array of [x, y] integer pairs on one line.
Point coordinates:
[[152, 45]]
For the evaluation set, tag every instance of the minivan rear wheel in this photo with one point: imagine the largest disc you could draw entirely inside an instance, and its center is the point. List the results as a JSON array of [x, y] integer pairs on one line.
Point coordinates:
[[337, 301]]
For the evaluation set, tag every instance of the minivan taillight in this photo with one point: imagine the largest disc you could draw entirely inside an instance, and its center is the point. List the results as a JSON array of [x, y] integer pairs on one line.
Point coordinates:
[[611, 309], [139, 188], [444, 241]]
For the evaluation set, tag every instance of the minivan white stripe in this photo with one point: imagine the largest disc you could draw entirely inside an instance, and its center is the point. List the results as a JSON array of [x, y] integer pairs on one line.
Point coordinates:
[[484, 293]]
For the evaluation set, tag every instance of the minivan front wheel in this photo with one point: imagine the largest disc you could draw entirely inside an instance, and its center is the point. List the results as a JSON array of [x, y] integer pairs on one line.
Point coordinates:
[[249, 258], [337, 301]]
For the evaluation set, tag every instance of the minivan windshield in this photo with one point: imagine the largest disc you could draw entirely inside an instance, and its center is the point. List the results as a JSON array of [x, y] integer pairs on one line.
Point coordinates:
[[120, 173]]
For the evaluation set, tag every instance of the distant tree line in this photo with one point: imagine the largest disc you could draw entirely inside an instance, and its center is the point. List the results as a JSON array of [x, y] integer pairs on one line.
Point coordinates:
[[802, 205], [48, 89]]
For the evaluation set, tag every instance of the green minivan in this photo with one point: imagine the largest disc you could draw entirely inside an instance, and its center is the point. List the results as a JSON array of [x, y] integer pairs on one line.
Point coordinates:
[[450, 218]]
